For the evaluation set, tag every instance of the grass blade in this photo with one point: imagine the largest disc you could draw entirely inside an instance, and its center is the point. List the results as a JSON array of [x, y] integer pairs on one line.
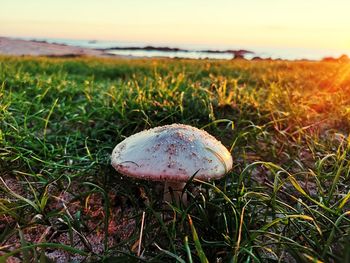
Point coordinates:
[[197, 243], [188, 250], [178, 259]]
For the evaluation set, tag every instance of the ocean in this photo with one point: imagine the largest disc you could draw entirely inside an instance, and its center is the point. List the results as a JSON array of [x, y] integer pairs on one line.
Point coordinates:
[[199, 51]]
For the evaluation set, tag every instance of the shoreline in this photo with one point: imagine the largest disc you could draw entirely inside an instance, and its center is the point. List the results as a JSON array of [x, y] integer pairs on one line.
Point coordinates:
[[34, 47], [20, 47]]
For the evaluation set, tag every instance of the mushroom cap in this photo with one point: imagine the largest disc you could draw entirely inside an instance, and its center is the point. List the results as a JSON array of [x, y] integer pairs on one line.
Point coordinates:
[[172, 153]]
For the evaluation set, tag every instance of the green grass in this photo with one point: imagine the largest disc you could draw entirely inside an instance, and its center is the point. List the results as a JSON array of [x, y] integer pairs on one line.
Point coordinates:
[[286, 124]]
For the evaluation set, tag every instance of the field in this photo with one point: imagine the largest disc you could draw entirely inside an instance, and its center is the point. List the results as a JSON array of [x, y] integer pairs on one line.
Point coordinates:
[[285, 123]]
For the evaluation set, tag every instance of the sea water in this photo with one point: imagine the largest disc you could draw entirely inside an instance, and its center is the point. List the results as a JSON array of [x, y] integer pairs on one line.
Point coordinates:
[[198, 51]]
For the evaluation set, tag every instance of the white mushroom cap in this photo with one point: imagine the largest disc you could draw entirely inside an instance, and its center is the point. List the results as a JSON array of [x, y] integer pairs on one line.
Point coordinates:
[[172, 153]]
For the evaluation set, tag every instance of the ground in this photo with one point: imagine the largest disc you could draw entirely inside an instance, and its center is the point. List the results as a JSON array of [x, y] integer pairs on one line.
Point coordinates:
[[285, 123]]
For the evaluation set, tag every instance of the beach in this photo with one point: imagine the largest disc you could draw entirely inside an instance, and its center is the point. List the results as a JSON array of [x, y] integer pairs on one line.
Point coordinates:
[[19, 47], [76, 48]]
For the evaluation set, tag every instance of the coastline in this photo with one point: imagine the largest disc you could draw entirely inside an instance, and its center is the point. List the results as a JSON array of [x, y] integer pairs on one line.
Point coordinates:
[[19, 47], [32, 47]]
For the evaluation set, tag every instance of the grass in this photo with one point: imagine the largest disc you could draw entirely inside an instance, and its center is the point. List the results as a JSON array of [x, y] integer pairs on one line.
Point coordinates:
[[286, 124]]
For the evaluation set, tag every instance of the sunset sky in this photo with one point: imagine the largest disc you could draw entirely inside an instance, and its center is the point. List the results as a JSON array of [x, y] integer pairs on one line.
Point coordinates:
[[321, 24]]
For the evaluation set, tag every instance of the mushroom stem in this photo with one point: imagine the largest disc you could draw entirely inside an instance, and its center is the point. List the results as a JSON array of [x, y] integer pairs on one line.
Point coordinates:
[[175, 188]]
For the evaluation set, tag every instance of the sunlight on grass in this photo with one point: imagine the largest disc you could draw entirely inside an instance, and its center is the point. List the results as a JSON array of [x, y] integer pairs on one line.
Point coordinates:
[[286, 124]]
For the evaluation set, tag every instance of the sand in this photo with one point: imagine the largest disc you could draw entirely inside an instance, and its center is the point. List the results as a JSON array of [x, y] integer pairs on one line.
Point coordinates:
[[19, 47]]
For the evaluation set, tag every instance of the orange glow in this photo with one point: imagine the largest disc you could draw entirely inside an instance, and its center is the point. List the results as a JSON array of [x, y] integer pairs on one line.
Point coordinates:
[[308, 24]]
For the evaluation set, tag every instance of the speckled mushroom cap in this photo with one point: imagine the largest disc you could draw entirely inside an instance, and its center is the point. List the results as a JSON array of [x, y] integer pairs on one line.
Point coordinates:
[[172, 153]]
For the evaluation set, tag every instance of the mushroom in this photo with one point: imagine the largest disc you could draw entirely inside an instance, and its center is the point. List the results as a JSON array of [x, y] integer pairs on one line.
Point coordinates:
[[172, 153]]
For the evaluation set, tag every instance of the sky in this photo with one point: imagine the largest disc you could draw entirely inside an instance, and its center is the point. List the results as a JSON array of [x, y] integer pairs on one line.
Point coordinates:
[[319, 24]]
